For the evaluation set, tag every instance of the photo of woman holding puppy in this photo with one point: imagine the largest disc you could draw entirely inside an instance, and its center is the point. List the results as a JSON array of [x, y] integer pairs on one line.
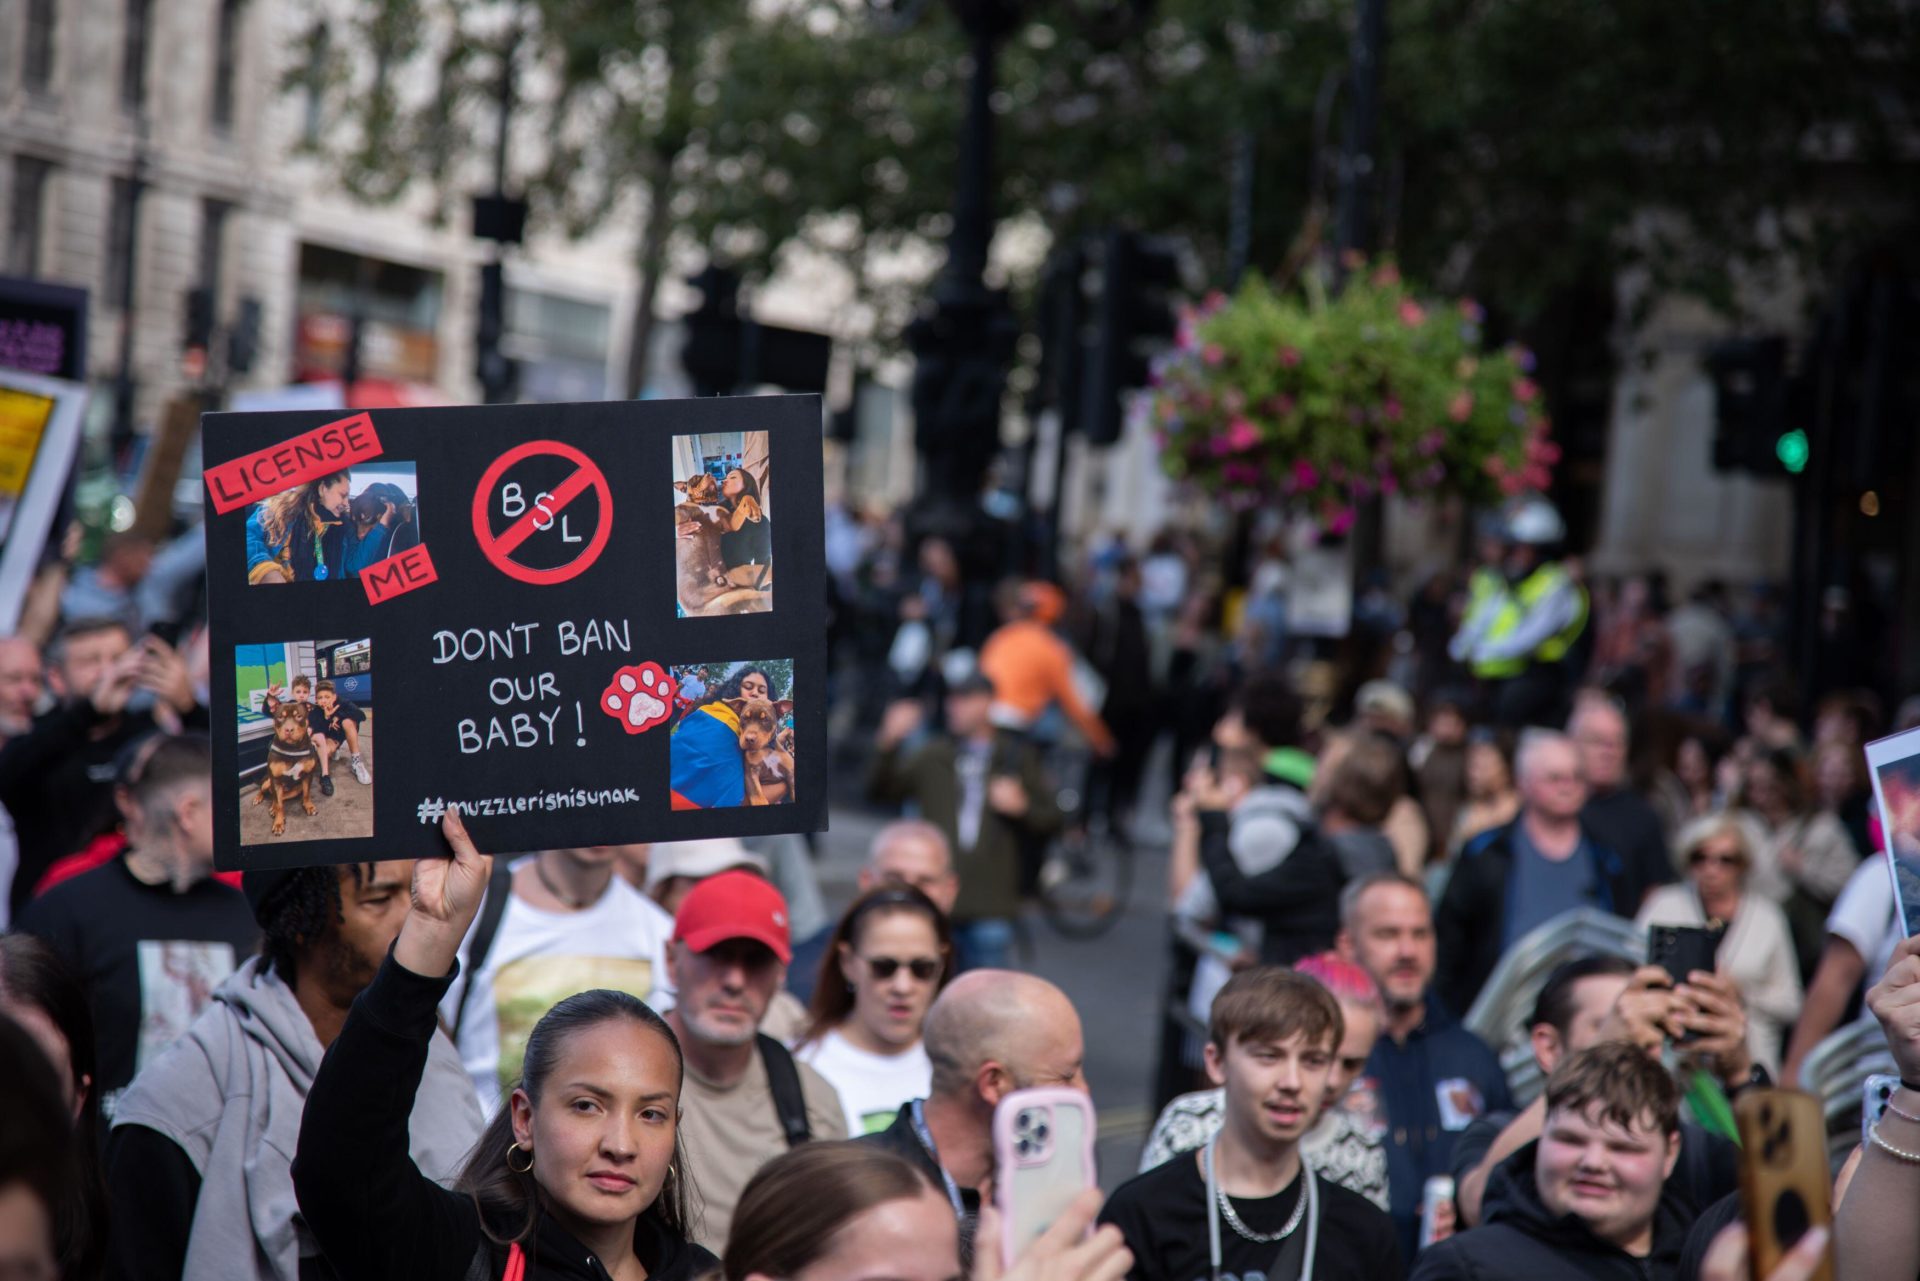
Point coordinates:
[[299, 535], [735, 745]]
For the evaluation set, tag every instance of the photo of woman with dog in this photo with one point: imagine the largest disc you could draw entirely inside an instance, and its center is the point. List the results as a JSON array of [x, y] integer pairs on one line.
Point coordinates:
[[299, 535], [330, 529], [383, 517], [723, 524], [733, 744]]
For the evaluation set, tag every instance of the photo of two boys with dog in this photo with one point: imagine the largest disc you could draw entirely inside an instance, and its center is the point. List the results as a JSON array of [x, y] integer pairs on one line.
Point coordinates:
[[306, 721], [332, 528]]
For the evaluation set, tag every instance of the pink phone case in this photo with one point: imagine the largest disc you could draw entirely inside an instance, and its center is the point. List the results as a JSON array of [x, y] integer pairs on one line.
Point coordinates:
[[1043, 1159]]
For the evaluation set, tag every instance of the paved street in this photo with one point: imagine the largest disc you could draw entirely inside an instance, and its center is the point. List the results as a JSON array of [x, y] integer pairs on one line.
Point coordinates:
[[1114, 980]]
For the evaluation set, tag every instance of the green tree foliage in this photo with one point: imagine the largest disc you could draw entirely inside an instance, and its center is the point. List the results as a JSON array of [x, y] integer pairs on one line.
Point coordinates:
[[1527, 145]]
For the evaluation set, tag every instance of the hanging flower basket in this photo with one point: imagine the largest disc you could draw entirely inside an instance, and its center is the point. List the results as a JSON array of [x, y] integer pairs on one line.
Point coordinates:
[[1319, 402]]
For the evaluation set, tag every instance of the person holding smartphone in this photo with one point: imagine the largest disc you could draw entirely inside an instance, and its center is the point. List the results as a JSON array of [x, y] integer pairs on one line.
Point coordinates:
[[1247, 1204], [1876, 1232]]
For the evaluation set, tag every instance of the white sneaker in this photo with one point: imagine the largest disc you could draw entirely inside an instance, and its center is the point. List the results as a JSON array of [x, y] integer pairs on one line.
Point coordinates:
[[360, 769]]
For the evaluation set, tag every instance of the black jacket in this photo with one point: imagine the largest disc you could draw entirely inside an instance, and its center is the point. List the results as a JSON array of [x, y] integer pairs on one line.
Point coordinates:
[[1622, 820], [56, 780], [1521, 1240], [1470, 923], [1296, 902], [376, 1217]]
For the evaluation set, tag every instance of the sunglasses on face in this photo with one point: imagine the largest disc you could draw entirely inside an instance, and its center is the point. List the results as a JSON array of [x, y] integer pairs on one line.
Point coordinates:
[[1701, 857], [925, 969]]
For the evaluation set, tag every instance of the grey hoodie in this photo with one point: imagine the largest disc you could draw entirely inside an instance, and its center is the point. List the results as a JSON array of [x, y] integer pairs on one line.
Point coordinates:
[[230, 1093]]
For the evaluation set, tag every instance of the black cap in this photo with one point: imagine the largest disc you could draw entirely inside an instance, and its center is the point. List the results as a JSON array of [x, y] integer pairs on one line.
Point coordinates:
[[975, 683]]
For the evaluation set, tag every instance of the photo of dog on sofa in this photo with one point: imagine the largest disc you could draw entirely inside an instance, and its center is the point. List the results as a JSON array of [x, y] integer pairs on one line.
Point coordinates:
[[722, 524]]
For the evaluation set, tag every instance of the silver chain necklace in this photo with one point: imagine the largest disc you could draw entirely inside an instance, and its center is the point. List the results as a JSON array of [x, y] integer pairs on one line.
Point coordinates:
[[1234, 1221]]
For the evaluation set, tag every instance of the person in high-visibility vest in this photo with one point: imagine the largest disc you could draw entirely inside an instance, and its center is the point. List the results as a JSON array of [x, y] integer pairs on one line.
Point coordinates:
[[1518, 633]]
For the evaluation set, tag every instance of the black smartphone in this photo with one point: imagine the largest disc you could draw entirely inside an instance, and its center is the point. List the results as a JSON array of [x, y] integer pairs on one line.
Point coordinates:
[[1680, 950]]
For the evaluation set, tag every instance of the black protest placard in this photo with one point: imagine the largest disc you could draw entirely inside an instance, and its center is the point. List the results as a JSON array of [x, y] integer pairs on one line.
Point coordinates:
[[588, 624]]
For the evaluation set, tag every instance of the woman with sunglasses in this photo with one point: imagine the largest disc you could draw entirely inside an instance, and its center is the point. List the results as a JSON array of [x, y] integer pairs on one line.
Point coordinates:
[[1756, 947], [887, 959]]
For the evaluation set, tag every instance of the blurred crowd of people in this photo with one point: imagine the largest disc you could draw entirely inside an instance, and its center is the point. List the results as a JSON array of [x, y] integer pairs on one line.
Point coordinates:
[[674, 1061]]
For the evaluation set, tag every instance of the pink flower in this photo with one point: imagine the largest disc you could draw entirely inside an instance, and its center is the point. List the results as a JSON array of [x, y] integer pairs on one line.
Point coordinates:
[[1339, 521], [1385, 274], [1220, 446], [1460, 408], [1242, 435], [1412, 314], [1305, 474], [1525, 390], [1213, 353], [1213, 302], [1290, 356], [1512, 484], [1472, 310], [1431, 443], [1389, 483], [1393, 410]]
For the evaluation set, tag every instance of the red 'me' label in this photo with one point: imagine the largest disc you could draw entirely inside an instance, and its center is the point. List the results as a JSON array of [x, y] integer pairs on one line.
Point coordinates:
[[320, 452], [385, 579]]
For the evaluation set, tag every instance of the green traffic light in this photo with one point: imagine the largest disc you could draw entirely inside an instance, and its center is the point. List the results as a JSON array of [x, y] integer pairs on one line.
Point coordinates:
[[1791, 449]]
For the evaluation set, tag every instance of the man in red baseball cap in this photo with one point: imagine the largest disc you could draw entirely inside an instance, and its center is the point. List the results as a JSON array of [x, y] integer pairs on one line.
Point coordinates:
[[746, 1100]]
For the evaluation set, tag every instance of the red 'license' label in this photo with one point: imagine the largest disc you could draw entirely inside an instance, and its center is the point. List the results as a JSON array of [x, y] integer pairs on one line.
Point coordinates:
[[320, 452]]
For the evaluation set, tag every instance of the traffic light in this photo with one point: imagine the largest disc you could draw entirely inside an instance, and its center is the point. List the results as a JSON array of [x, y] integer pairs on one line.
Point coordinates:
[[711, 355], [1138, 278], [1751, 427], [243, 340], [198, 333], [726, 351]]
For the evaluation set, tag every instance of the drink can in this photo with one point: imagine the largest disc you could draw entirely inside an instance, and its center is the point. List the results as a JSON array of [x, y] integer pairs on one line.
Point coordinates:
[[1438, 1191]]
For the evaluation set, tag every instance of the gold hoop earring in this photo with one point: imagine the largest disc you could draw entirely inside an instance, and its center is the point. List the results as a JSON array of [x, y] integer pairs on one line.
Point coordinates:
[[519, 1169], [672, 1174]]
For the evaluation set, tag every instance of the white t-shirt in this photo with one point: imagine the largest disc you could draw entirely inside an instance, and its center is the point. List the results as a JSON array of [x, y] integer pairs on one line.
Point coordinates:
[[1863, 916], [872, 1087], [540, 958]]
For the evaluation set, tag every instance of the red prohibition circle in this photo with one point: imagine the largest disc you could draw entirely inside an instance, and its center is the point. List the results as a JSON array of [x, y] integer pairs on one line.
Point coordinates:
[[499, 548]]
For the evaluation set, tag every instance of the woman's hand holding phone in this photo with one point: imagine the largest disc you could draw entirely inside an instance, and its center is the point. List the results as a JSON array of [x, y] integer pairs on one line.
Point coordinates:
[[1064, 1252], [1726, 1258]]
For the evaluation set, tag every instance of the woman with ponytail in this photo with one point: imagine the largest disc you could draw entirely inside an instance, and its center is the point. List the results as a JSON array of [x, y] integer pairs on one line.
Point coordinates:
[[578, 1176]]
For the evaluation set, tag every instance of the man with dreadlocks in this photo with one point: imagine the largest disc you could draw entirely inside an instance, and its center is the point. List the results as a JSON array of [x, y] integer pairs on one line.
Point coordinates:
[[199, 1161]]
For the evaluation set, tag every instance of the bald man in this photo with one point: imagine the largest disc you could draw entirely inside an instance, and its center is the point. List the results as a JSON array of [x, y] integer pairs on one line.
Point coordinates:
[[912, 851], [990, 1033]]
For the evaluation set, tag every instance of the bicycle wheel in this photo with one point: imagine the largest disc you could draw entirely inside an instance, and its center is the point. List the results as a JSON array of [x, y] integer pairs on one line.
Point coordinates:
[[1085, 882]]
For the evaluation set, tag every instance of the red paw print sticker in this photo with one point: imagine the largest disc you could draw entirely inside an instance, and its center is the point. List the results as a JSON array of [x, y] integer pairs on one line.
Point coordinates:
[[639, 697]]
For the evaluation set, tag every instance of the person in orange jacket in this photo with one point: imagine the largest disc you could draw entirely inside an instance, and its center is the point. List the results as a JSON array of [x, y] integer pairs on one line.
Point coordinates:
[[1031, 667]]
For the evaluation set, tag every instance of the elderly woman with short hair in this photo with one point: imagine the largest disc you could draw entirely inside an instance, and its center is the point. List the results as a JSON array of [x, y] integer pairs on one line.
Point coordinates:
[[1715, 855]]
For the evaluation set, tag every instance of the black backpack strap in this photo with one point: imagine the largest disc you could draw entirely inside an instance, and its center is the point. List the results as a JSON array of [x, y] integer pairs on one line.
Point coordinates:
[[492, 908], [783, 1078]]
